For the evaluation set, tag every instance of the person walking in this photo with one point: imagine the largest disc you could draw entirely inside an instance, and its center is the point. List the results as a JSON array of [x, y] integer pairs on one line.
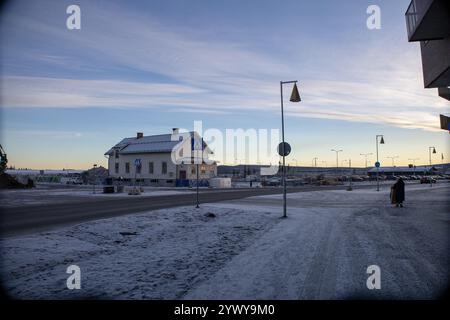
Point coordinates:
[[398, 193]]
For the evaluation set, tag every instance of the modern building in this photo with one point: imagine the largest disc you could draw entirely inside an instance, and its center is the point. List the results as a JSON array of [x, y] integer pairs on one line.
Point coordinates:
[[164, 160], [428, 21]]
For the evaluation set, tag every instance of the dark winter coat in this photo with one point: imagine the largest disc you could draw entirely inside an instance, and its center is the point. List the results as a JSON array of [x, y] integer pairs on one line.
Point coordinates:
[[398, 192]]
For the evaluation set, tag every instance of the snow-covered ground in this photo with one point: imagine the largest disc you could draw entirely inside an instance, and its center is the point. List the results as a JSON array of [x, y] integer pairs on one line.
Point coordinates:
[[322, 250]]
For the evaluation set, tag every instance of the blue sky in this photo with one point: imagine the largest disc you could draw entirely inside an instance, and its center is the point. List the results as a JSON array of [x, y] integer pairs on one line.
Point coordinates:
[[68, 95]]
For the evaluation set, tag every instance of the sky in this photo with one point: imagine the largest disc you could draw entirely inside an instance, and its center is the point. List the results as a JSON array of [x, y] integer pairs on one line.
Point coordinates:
[[67, 96]]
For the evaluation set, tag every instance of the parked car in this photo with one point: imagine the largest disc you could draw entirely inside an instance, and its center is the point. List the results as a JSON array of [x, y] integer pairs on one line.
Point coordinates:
[[427, 180], [273, 182], [71, 180]]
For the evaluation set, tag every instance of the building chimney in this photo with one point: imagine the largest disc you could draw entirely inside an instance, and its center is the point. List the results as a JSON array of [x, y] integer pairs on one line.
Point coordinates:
[[175, 130], [139, 135]]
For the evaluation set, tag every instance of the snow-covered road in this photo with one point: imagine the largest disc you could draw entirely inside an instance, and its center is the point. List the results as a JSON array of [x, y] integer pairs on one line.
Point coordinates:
[[246, 251]]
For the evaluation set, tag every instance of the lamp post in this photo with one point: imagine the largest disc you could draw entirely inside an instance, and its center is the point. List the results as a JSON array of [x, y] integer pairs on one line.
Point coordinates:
[[393, 160], [337, 159], [295, 97], [431, 165], [196, 171], [95, 166], [378, 167], [197, 146], [350, 187], [315, 161], [365, 156]]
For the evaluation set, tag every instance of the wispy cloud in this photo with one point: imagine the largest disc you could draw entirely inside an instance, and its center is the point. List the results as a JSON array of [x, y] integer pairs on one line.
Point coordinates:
[[382, 85]]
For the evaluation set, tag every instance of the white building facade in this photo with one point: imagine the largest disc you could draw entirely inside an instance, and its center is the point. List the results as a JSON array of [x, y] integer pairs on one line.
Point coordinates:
[[163, 160]]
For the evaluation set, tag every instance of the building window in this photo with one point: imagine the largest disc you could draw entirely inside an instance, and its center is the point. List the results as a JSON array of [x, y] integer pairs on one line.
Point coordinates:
[[164, 168], [193, 170], [116, 154], [150, 167], [138, 169], [116, 168], [127, 167]]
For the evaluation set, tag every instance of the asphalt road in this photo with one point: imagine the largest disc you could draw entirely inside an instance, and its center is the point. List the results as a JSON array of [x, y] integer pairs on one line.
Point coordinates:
[[35, 218]]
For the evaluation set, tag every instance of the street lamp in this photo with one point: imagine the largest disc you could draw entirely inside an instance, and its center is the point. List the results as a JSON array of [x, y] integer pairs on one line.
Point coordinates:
[[295, 97], [431, 166], [350, 188], [315, 161], [393, 160], [365, 156], [93, 171], [378, 164], [337, 158]]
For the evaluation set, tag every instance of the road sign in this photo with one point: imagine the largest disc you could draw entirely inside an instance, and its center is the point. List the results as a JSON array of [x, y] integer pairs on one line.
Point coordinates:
[[377, 164], [284, 149], [197, 144]]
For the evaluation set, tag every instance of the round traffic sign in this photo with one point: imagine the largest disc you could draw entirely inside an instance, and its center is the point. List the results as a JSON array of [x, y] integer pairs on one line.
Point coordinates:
[[377, 164], [284, 149]]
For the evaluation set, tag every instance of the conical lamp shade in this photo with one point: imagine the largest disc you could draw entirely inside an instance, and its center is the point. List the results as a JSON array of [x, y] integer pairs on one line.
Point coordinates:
[[382, 140], [434, 150], [295, 96]]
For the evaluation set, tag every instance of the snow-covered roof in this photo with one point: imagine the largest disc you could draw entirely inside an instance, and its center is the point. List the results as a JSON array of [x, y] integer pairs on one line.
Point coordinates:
[[149, 144], [161, 146]]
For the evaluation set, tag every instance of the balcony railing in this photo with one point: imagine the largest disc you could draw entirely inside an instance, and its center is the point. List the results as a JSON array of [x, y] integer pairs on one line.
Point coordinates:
[[415, 13]]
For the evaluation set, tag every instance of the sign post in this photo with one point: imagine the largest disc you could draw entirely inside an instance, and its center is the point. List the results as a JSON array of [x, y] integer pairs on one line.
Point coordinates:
[[377, 165], [137, 166], [284, 149], [197, 145]]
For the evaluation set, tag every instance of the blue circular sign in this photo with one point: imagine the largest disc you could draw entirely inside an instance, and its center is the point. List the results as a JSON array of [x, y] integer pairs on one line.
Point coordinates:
[[284, 149], [377, 164]]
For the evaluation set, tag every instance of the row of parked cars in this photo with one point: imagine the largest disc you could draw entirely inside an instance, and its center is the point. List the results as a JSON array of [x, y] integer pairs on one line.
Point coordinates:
[[422, 179], [291, 181]]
